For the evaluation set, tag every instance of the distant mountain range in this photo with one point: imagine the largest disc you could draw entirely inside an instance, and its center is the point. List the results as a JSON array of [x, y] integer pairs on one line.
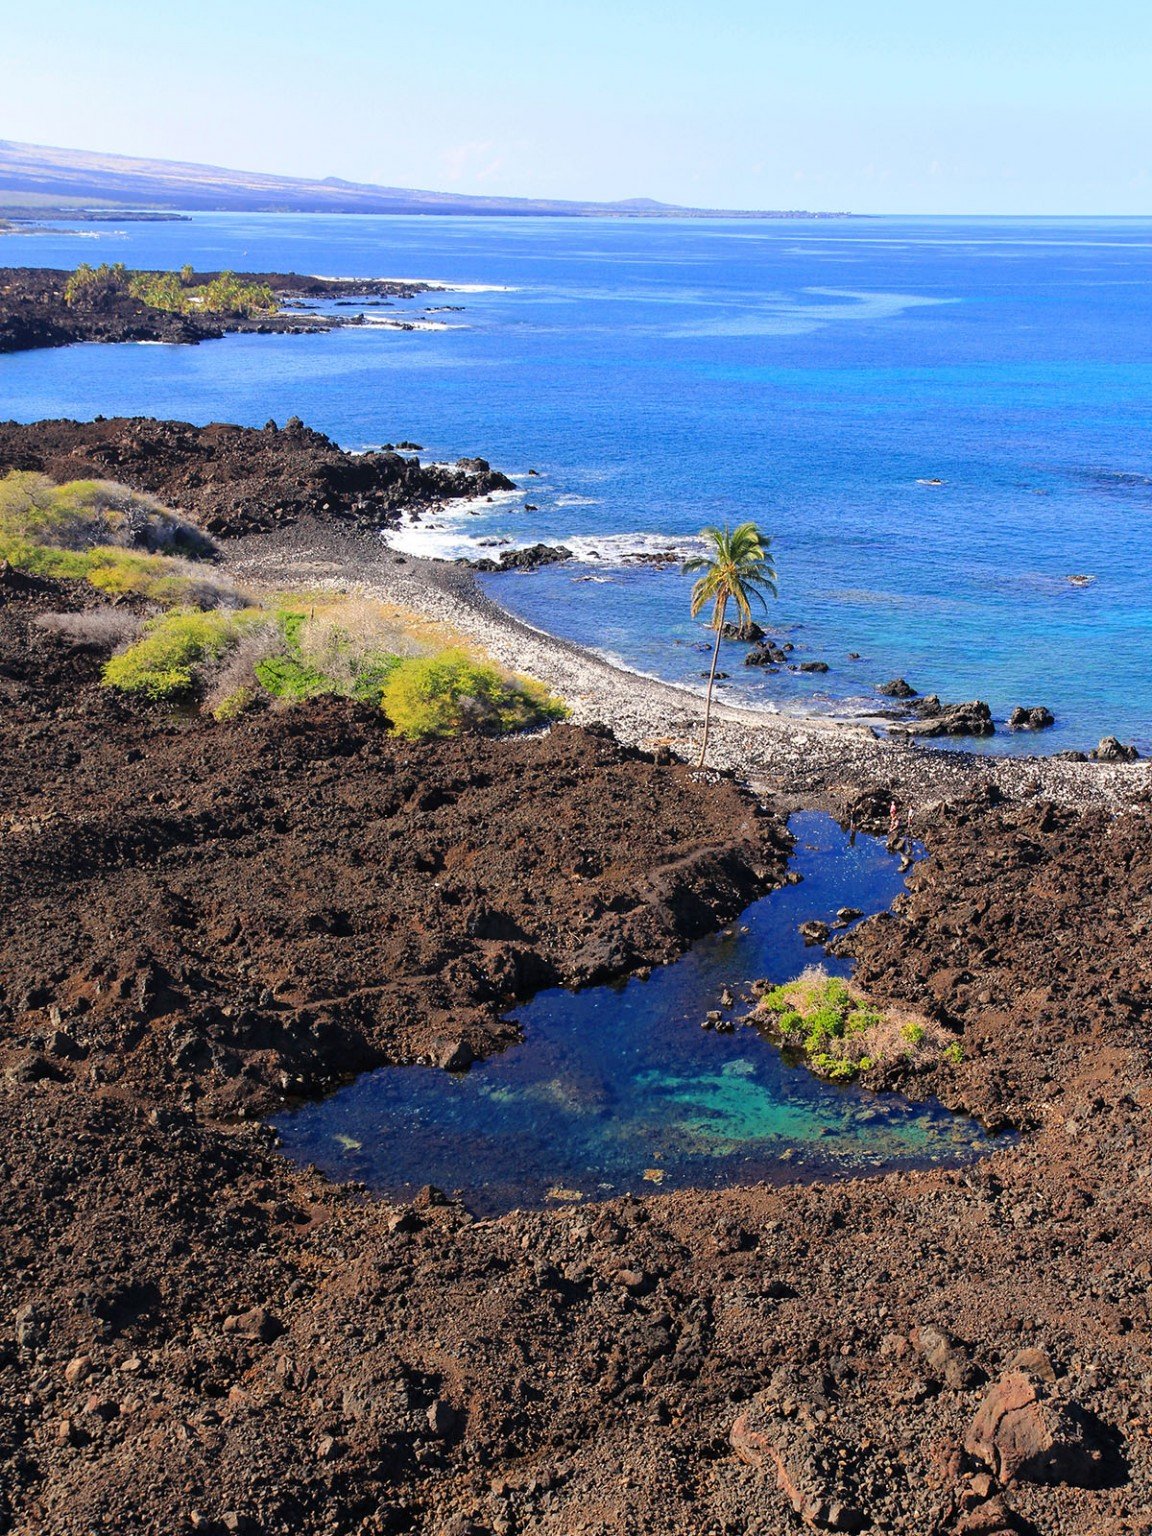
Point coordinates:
[[35, 173]]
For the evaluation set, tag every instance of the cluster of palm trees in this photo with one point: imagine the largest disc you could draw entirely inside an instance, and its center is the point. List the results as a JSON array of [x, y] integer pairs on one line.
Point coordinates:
[[738, 569]]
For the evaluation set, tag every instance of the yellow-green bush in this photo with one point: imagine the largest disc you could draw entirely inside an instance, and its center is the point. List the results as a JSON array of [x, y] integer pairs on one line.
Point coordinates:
[[451, 692], [110, 535], [82, 514], [165, 663]]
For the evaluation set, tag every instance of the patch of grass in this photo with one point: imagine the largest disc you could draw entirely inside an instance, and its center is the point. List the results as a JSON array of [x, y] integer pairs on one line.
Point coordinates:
[[830, 1023], [287, 677], [452, 692]]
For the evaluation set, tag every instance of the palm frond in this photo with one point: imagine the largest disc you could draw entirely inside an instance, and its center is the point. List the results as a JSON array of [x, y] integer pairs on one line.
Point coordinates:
[[737, 568]]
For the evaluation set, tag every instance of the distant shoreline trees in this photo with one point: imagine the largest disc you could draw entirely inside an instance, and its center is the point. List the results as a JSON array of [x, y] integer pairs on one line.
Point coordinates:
[[176, 293]]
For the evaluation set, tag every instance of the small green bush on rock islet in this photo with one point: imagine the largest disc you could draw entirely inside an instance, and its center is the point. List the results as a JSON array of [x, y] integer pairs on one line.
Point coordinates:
[[830, 1023]]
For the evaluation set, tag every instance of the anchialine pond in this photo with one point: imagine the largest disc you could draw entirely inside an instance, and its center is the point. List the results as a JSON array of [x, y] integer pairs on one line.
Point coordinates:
[[618, 1088]]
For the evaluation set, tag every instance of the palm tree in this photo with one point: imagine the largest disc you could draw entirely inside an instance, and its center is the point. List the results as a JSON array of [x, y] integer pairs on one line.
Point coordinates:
[[737, 568]]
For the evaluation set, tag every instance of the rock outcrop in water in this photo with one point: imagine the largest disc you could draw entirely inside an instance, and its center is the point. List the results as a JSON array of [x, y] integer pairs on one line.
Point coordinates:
[[896, 689], [530, 558], [34, 312], [1111, 750], [747, 631], [1036, 717], [932, 718], [240, 480], [767, 654]]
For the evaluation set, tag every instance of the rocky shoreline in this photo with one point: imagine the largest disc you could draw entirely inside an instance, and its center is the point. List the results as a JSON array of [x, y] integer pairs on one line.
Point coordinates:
[[34, 312], [804, 759], [198, 920], [239, 480]]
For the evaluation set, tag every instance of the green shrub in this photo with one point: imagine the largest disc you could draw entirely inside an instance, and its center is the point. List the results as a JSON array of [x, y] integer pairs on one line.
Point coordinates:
[[445, 694], [839, 1033], [233, 704], [163, 664], [953, 1054], [371, 674], [88, 514], [836, 1069], [860, 1020]]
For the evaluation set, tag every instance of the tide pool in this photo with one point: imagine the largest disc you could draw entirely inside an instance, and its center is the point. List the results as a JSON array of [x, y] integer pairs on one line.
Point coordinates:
[[618, 1089]]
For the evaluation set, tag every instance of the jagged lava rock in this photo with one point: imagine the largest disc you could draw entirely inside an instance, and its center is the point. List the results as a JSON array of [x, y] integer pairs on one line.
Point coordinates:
[[1026, 1433]]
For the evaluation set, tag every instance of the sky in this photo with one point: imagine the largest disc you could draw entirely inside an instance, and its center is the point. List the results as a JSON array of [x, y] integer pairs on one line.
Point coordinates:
[[870, 106]]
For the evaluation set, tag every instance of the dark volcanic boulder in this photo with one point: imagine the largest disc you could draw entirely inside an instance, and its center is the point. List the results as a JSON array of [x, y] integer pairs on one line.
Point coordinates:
[[765, 655], [1112, 751], [749, 632], [1030, 718], [811, 666], [896, 689]]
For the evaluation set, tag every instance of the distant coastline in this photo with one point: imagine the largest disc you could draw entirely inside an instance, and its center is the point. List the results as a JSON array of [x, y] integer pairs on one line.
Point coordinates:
[[40, 173]]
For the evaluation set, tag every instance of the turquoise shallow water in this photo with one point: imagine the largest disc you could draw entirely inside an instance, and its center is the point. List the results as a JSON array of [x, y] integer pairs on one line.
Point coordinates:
[[615, 1082], [660, 376]]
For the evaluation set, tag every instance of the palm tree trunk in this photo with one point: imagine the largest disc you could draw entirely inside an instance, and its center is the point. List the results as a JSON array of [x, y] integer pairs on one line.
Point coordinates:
[[718, 620]]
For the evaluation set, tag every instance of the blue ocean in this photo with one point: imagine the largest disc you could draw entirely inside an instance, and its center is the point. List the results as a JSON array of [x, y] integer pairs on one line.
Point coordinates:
[[941, 422]]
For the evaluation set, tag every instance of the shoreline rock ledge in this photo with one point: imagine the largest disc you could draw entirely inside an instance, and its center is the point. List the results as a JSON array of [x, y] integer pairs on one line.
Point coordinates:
[[932, 718]]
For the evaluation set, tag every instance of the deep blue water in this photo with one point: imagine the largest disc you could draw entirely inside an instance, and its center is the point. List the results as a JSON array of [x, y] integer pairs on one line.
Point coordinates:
[[665, 375], [618, 1088]]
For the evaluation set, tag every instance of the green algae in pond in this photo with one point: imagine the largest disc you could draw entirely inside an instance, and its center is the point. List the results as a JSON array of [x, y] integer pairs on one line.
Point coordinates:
[[614, 1085]]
